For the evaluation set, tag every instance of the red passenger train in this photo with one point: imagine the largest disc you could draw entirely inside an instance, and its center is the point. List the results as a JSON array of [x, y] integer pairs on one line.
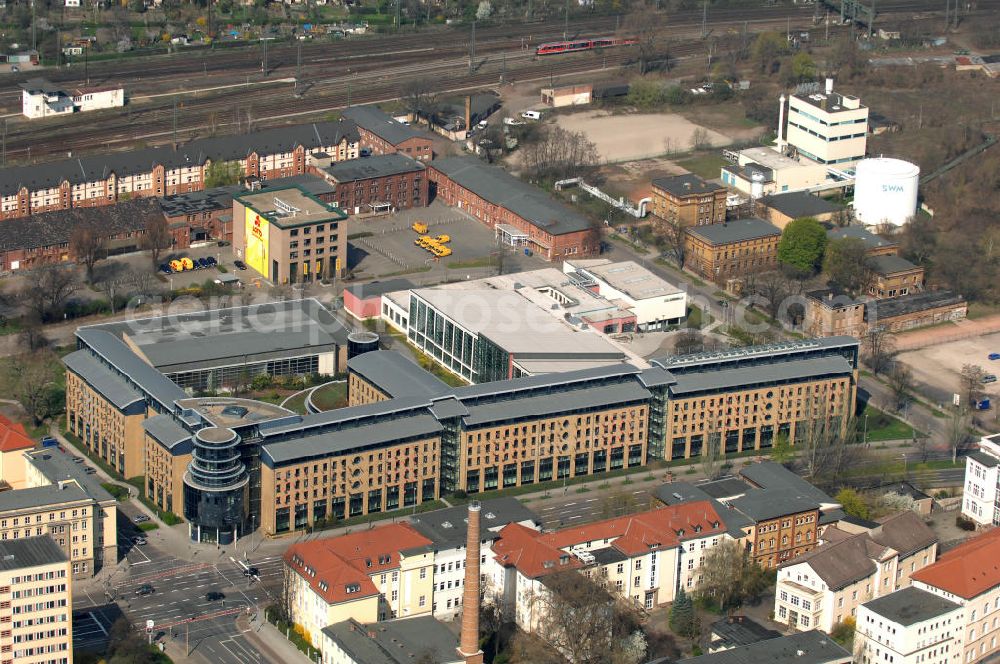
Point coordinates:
[[553, 48]]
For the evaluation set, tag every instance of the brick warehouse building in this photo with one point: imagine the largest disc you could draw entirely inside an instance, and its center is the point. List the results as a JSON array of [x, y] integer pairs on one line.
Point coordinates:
[[381, 134], [376, 184], [107, 179], [45, 238], [522, 215]]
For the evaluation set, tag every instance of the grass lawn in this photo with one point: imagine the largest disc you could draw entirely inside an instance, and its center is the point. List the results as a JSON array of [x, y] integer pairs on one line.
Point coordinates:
[[882, 426], [297, 404], [982, 310], [707, 165], [484, 261], [119, 492], [147, 526], [694, 318], [330, 396]]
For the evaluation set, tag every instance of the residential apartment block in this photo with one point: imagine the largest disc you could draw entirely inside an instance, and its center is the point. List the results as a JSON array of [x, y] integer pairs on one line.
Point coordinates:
[[981, 497], [59, 500], [378, 184], [960, 626], [36, 602], [107, 179], [381, 134], [732, 249], [688, 200], [911, 626], [368, 576], [824, 587]]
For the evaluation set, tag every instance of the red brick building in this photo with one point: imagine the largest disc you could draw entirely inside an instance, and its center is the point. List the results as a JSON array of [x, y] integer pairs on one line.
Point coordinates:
[[381, 134], [521, 215], [101, 180], [376, 184], [44, 238]]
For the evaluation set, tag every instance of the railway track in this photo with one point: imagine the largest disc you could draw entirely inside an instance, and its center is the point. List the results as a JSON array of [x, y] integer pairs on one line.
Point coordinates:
[[374, 75]]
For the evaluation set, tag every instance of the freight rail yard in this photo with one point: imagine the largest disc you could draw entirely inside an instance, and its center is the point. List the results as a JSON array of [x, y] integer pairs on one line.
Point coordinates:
[[178, 97]]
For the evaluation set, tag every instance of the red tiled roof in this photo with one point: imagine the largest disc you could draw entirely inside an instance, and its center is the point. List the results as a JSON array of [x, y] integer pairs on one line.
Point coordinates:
[[334, 564], [13, 436], [968, 570], [535, 554]]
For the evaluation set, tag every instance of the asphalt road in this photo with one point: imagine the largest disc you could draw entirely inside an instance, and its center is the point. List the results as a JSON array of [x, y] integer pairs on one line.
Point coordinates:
[[182, 615]]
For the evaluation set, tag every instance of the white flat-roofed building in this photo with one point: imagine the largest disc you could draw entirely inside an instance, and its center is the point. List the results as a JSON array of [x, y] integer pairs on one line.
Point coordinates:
[[764, 171], [97, 98], [826, 127], [42, 99], [982, 476], [655, 302], [911, 626]]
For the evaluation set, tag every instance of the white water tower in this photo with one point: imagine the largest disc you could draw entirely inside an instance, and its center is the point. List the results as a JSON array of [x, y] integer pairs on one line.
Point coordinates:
[[885, 191]]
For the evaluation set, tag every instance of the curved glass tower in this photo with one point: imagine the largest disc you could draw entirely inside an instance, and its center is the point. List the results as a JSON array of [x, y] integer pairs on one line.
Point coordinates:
[[215, 487]]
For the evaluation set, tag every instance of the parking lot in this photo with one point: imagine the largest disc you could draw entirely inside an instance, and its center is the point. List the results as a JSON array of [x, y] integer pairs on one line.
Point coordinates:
[[386, 245], [937, 368]]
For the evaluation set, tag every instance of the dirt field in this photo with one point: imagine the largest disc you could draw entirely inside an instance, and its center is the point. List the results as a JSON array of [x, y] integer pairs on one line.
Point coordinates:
[[624, 137], [936, 368]]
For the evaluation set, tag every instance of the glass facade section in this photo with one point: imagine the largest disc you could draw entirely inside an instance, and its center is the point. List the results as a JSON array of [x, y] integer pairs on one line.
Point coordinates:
[[216, 487]]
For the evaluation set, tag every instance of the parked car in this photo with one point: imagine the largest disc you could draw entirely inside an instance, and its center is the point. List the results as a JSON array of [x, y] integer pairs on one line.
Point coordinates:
[[240, 265], [203, 263], [994, 356], [512, 122], [211, 260], [49, 441], [251, 571], [531, 115], [214, 596], [77, 459], [139, 541], [165, 269], [988, 378], [90, 471], [140, 518], [145, 589]]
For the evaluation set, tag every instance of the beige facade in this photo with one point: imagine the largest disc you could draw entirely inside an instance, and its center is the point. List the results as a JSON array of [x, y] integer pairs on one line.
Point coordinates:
[[347, 484], [36, 604], [111, 431], [361, 392], [688, 200], [165, 476], [830, 313]]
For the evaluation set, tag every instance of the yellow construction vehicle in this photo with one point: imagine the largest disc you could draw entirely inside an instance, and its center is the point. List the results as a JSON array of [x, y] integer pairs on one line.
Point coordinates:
[[443, 239], [419, 227]]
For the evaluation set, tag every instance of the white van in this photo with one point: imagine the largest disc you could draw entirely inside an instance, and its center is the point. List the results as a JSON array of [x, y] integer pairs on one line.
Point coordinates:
[[532, 115]]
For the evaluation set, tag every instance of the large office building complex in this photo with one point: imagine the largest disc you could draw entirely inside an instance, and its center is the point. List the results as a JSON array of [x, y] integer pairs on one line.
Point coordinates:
[[233, 464]]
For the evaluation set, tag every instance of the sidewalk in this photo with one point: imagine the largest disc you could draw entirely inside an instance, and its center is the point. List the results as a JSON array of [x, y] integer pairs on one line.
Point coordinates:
[[269, 642]]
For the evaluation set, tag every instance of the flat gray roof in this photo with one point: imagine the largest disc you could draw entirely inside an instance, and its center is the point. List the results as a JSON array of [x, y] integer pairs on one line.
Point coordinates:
[[687, 184], [377, 166], [102, 379], [984, 459], [165, 430], [396, 375], [447, 528], [740, 230], [59, 467], [776, 372], [400, 641], [911, 303], [226, 337], [381, 124], [797, 204], [29, 552], [501, 188], [677, 363], [871, 240], [890, 264], [40, 496], [910, 606], [566, 401], [813, 647], [633, 280], [771, 475], [360, 435]]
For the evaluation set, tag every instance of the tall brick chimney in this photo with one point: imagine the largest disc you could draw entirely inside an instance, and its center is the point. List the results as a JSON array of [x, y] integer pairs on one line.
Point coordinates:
[[468, 645], [468, 113]]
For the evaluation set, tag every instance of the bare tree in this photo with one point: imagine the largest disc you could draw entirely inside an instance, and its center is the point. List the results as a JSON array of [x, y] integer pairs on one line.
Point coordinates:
[[31, 376], [583, 621], [50, 289], [972, 384], [419, 98], [673, 234], [88, 245], [700, 139], [879, 347], [729, 576], [555, 152], [900, 381], [157, 238], [958, 431], [712, 454], [648, 27]]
